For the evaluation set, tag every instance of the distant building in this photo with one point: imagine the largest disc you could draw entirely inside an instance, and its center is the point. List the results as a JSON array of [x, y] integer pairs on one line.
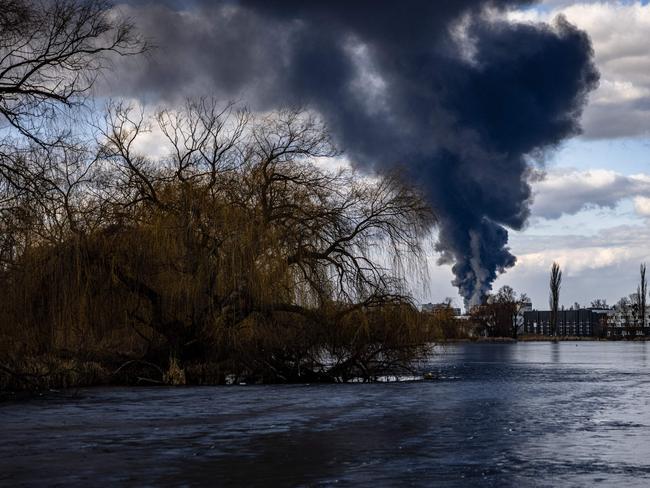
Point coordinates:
[[439, 307], [624, 321], [526, 307], [582, 322]]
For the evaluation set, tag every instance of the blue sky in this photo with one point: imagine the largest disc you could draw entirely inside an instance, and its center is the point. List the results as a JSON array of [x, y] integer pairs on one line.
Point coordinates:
[[592, 211]]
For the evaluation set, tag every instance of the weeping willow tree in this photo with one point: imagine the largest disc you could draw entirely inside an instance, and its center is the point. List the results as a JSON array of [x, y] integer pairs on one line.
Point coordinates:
[[50, 54], [236, 247], [235, 252]]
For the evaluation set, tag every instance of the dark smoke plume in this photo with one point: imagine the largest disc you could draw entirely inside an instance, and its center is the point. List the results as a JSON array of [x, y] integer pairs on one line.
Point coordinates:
[[444, 90]]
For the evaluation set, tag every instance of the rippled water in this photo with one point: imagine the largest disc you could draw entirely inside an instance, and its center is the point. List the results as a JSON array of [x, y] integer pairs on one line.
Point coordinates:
[[526, 414]]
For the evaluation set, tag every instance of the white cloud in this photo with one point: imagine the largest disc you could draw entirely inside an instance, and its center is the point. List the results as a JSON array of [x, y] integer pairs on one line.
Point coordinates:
[[604, 265], [577, 254], [642, 206], [576, 260], [569, 191]]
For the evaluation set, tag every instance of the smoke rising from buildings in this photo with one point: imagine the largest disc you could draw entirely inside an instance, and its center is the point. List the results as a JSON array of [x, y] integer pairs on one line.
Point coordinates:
[[454, 96]]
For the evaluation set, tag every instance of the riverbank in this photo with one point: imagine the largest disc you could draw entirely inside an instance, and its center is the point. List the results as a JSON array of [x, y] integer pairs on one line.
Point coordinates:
[[64, 371], [540, 338], [52, 372], [34, 374]]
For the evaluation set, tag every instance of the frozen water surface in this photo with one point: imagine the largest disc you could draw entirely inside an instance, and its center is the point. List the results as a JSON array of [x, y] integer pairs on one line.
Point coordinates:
[[526, 414]]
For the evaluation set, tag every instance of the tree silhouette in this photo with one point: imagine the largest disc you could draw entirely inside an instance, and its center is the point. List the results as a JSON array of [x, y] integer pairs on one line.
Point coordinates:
[[642, 293], [554, 297]]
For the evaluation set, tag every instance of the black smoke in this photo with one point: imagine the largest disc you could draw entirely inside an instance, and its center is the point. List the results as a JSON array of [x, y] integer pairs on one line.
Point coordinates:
[[448, 91]]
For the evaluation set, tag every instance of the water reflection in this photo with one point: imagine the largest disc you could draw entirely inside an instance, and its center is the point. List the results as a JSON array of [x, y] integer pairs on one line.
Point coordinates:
[[555, 352], [525, 414]]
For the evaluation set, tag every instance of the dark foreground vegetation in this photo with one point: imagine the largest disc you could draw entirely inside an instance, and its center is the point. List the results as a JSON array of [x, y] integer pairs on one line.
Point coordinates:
[[232, 257]]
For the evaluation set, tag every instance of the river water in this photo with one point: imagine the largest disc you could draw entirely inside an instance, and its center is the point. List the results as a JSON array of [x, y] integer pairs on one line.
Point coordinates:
[[525, 414]]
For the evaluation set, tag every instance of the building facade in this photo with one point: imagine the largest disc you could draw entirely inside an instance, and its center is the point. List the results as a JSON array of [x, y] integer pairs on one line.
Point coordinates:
[[439, 307], [582, 322], [625, 321]]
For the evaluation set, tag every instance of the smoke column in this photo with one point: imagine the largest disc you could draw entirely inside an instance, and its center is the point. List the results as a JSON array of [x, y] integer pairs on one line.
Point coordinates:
[[447, 91]]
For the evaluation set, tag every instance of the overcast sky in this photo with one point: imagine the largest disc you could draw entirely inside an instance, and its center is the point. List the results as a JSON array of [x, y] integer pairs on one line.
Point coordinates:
[[591, 207]]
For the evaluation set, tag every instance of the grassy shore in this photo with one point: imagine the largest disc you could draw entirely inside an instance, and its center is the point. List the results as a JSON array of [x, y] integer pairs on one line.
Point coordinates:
[[61, 371]]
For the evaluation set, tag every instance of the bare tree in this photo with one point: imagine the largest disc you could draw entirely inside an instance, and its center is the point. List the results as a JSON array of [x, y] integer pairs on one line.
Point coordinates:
[[642, 293], [500, 312], [599, 303], [50, 55], [554, 297], [51, 52]]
